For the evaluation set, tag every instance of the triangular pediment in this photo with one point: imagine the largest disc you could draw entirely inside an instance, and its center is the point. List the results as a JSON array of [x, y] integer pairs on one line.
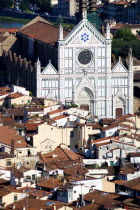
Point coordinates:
[[119, 94], [49, 69], [84, 83], [85, 37], [51, 96], [120, 68], [85, 33]]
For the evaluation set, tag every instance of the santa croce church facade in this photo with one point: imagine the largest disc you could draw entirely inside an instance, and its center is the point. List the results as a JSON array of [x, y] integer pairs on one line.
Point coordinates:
[[78, 68]]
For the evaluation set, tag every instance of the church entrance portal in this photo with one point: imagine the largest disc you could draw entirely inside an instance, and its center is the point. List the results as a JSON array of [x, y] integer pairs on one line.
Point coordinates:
[[85, 100], [119, 112]]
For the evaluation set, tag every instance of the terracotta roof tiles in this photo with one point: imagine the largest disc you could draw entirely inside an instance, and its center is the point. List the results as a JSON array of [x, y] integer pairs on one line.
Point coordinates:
[[9, 134], [56, 111], [131, 183], [4, 192], [127, 170], [109, 200], [44, 32], [77, 169], [10, 30], [32, 126], [16, 111], [59, 117], [91, 206], [16, 95], [60, 158], [50, 183], [35, 204], [3, 38], [35, 109], [122, 25], [134, 154]]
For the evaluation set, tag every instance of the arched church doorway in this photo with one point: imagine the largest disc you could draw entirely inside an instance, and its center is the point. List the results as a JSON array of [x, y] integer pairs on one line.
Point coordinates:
[[119, 107], [85, 99]]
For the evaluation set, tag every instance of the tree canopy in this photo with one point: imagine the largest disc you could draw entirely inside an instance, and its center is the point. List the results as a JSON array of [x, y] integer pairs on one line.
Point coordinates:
[[24, 5], [125, 34], [59, 20], [122, 41], [44, 5]]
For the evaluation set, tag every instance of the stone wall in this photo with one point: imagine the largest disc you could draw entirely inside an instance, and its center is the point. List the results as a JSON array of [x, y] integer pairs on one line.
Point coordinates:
[[19, 71]]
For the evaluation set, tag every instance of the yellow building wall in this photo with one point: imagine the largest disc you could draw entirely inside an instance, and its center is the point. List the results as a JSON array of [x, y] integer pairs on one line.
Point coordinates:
[[21, 100], [108, 186], [84, 133], [49, 137]]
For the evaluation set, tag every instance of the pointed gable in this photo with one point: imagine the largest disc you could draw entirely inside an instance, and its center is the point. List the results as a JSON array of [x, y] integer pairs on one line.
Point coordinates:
[[119, 67], [49, 69], [51, 96], [85, 33], [38, 18], [84, 83]]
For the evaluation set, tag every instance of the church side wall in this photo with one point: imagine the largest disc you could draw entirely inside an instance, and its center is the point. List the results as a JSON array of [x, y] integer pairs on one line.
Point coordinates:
[[34, 49], [20, 72]]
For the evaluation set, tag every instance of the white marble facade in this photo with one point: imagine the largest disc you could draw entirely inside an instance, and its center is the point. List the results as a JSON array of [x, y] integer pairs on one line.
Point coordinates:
[[84, 75]]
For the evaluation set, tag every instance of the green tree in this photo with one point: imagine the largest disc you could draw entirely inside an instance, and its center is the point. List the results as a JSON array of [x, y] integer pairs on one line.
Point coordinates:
[[125, 34], [24, 5], [59, 20], [44, 5], [30, 93], [121, 48]]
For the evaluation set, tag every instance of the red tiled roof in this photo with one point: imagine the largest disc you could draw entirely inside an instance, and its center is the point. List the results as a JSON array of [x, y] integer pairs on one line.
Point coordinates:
[[59, 117], [16, 95], [32, 126], [56, 111], [43, 32], [9, 121], [134, 154], [107, 121], [121, 2], [4, 192], [7, 134], [127, 170], [35, 109], [33, 192], [102, 144], [125, 117], [60, 158], [77, 169], [3, 38], [10, 30], [16, 111], [119, 182], [93, 125], [109, 200], [49, 183], [131, 183], [91, 206], [35, 204], [114, 125], [104, 139]]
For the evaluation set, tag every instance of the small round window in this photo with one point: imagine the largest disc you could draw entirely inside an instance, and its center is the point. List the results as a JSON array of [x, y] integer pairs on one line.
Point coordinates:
[[85, 57]]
